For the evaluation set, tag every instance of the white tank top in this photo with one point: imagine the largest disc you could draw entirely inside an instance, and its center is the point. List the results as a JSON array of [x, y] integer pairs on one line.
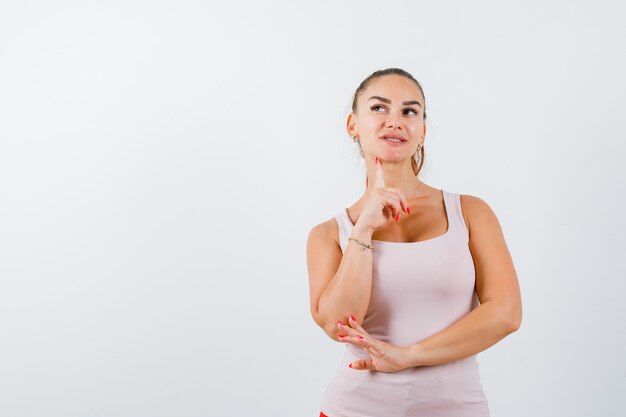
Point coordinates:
[[418, 289]]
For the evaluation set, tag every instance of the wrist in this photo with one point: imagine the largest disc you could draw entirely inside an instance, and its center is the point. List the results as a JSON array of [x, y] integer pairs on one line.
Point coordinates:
[[414, 356], [362, 232]]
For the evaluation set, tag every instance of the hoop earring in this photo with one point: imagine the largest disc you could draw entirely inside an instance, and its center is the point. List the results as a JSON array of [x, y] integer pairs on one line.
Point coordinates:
[[419, 148]]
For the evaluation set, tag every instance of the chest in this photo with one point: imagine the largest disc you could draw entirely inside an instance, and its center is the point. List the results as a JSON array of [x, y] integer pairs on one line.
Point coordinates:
[[425, 222]]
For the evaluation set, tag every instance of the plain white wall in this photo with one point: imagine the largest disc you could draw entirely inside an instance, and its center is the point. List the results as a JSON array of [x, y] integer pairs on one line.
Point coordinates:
[[161, 165]]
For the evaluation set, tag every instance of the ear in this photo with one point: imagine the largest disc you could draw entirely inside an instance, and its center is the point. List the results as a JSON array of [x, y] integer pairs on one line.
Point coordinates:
[[351, 125]]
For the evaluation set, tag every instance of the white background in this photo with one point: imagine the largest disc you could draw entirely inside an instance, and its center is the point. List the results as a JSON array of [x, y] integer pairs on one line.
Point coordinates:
[[161, 165]]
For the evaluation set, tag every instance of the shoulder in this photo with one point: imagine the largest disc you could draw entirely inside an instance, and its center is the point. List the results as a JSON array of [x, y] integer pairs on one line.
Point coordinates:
[[476, 212], [327, 230]]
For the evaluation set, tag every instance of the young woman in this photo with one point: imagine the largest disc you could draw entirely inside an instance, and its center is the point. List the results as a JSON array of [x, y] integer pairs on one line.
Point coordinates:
[[414, 280]]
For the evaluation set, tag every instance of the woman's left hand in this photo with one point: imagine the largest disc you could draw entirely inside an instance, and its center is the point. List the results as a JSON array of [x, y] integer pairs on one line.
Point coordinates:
[[385, 357]]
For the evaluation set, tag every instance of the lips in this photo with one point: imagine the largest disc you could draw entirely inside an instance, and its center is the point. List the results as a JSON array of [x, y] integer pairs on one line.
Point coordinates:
[[393, 136], [389, 138]]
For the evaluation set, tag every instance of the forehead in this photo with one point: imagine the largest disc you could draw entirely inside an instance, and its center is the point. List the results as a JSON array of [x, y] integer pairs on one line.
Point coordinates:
[[394, 87]]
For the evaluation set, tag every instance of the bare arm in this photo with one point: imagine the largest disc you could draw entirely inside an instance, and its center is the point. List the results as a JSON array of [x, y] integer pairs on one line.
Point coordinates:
[[480, 329], [340, 284]]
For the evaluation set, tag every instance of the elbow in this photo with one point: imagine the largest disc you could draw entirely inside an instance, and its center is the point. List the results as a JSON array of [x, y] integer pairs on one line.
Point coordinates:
[[508, 316], [328, 326], [513, 325], [513, 320], [332, 331]]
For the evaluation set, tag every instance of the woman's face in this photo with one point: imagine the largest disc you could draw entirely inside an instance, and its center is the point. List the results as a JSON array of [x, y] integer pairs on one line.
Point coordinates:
[[390, 105]]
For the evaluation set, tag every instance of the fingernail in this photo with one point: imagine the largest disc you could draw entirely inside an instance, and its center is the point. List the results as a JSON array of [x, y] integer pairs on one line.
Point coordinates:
[[341, 335], [397, 215], [360, 337], [352, 317], [350, 365], [341, 322], [408, 209]]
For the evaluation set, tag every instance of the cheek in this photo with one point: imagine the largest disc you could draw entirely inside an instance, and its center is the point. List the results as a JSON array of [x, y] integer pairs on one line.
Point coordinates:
[[418, 129], [371, 121]]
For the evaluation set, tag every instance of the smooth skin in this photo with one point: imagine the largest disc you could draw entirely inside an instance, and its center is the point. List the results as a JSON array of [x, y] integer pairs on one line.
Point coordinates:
[[497, 287]]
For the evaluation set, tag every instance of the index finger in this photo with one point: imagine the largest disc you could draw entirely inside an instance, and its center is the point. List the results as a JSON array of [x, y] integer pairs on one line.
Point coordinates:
[[379, 179]]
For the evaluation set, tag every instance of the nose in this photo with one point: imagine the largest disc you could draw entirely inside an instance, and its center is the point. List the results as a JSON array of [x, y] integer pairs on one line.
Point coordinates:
[[394, 121]]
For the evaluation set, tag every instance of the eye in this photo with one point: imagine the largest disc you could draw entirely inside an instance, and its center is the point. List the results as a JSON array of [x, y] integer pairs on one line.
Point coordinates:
[[409, 109]]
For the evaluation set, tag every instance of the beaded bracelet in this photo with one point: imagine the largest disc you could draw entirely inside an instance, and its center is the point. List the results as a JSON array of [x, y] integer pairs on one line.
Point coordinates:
[[363, 244]]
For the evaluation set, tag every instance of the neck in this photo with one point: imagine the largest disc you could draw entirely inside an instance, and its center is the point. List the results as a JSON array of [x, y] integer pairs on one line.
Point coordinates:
[[397, 175]]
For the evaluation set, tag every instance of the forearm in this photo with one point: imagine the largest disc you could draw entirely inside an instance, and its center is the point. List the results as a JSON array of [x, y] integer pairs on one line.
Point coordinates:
[[350, 290], [478, 330]]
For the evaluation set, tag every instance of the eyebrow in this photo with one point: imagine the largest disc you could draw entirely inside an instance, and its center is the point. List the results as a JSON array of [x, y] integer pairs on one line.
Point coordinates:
[[386, 100]]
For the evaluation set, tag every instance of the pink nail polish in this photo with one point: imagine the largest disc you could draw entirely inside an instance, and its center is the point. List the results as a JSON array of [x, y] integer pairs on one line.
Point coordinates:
[[352, 317], [397, 215], [408, 209], [350, 365], [360, 337], [341, 322], [341, 335]]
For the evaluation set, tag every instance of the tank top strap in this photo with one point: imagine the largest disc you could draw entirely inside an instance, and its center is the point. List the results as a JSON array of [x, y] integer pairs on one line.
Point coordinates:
[[455, 215], [345, 228]]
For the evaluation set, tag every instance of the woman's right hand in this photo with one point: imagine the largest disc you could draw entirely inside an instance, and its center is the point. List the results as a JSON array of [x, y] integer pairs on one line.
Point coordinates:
[[382, 203]]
